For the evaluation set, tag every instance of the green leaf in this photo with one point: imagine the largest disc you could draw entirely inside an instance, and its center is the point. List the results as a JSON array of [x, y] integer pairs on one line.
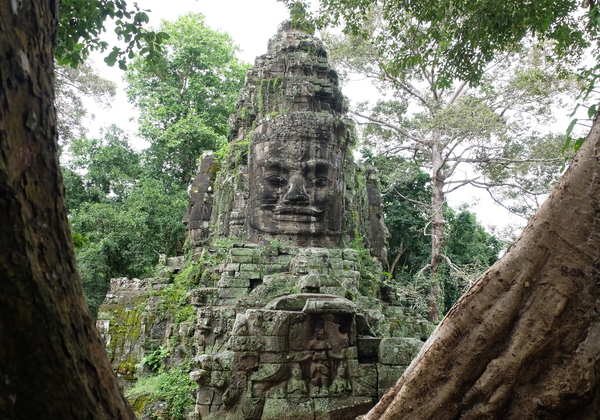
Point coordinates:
[[566, 146], [578, 143], [571, 126], [110, 60]]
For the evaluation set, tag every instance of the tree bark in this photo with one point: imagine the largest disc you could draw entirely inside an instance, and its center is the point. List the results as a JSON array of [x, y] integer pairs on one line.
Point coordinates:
[[52, 360], [437, 228], [524, 341]]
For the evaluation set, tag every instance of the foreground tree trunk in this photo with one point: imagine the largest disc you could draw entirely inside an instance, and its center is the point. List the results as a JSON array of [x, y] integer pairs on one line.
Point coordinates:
[[52, 360], [524, 341]]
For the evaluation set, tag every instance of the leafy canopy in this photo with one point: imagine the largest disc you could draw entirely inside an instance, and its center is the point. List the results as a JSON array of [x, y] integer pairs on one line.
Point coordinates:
[[459, 37], [82, 23], [121, 218], [186, 96]]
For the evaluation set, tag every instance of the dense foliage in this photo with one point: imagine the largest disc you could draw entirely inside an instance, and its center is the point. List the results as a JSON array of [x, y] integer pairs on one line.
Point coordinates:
[[185, 96], [126, 206], [82, 23], [460, 38], [122, 216]]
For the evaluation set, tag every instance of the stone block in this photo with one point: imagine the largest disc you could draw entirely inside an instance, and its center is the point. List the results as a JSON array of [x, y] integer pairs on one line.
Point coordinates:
[[398, 350], [318, 252], [350, 254], [275, 323], [288, 250], [247, 360], [246, 252], [350, 283], [235, 282], [275, 343], [288, 409], [336, 264], [284, 259], [275, 268], [299, 267], [342, 408], [333, 305], [231, 267], [368, 347], [232, 292], [215, 362], [205, 396], [252, 275], [338, 291], [335, 253], [249, 267], [245, 343], [228, 301], [273, 357], [387, 376], [363, 378], [349, 265], [277, 391], [243, 259]]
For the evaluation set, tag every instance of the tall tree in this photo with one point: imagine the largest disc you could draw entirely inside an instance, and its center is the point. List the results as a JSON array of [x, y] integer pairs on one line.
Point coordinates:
[[52, 359], [185, 96], [522, 342], [470, 250], [482, 136]]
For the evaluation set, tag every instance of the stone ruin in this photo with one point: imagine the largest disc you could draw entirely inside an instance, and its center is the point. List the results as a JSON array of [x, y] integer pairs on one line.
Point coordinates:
[[291, 321]]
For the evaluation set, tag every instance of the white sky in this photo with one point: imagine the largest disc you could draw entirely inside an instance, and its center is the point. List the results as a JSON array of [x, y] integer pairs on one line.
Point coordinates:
[[251, 23]]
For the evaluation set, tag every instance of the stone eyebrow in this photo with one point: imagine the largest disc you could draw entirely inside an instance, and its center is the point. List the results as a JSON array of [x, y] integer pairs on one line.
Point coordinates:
[[317, 163], [270, 161]]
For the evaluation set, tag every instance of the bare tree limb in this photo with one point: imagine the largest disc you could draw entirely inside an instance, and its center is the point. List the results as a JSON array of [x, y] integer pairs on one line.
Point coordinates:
[[400, 252], [388, 125], [457, 93]]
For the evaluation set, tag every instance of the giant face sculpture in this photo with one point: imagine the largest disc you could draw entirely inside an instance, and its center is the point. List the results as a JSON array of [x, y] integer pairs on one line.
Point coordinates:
[[295, 182]]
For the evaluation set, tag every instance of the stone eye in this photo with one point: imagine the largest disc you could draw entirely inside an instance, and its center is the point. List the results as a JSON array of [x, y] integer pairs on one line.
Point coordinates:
[[320, 182], [276, 180]]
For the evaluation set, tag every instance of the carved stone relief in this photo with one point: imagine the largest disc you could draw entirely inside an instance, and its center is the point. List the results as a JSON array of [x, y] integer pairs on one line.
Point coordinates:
[[295, 182]]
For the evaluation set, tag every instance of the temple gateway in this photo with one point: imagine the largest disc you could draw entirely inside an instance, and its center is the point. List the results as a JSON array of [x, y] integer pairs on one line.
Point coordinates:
[[286, 250]]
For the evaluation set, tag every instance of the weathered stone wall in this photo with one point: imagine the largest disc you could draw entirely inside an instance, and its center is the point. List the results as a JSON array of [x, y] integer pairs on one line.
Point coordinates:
[[135, 320]]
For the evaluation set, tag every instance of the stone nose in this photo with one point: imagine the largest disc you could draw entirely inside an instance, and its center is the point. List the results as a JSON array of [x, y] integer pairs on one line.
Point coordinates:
[[296, 193]]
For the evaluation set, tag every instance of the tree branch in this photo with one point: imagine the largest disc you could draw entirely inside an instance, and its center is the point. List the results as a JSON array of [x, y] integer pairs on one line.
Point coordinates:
[[388, 125], [408, 89], [400, 252], [457, 93], [420, 203]]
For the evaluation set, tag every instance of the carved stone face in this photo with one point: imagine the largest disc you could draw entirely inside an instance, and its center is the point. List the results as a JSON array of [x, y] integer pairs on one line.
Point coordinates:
[[294, 187]]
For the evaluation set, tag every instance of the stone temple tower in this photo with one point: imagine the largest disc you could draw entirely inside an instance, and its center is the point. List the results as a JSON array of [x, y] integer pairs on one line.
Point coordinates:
[[281, 308], [288, 320]]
